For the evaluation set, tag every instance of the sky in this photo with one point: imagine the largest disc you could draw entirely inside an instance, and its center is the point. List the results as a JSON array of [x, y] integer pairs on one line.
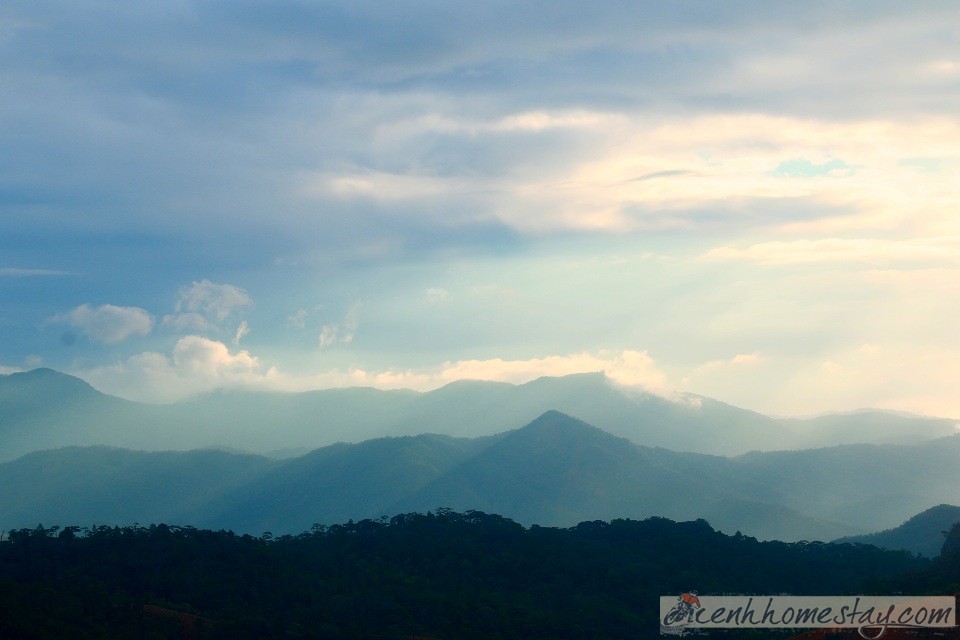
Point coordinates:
[[752, 201]]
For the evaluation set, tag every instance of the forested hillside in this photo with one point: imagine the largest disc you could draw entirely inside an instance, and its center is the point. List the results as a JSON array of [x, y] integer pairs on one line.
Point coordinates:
[[446, 575]]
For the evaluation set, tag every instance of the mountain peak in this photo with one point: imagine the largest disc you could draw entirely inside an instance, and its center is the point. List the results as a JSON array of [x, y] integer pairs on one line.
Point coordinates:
[[43, 381], [587, 379], [555, 426], [553, 419], [583, 375]]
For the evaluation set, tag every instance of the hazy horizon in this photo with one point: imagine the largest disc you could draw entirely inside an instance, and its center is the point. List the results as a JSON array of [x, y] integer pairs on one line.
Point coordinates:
[[628, 391]]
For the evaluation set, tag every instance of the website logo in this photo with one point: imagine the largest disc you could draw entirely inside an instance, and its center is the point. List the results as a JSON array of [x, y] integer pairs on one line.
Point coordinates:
[[870, 615]]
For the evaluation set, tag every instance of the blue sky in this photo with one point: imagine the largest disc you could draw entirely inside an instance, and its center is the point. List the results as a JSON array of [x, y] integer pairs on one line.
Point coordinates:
[[746, 200]]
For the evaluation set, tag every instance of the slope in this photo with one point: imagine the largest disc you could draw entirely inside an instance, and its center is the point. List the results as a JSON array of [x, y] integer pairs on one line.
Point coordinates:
[[873, 487], [559, 470], [337, 483], [102, 485], [924, 533]]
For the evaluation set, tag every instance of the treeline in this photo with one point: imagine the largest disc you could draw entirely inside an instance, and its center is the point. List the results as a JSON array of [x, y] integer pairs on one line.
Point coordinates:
[[444, 575]]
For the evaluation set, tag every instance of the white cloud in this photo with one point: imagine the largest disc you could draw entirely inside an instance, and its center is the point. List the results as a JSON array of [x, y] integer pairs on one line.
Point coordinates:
[[869, 251], [831, 368], [737, 368], [198, 355], [196, 365], [569, 120], [242, 330], [643, 171], [20, 273], [328, 335], [894, 375], [199, 364], [298, 320], [108, 323], [342, 333], [629, 368], [189, 322], [203, 306], [437, 295], [506, 295], [524, 121], [739, 360], [900, 377], [388, 187], [746, 358]]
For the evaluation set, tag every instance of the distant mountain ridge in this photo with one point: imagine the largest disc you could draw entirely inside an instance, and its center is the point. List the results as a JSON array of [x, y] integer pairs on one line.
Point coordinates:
[[43, 409], [556, 470], [924, 533], [104, 485]]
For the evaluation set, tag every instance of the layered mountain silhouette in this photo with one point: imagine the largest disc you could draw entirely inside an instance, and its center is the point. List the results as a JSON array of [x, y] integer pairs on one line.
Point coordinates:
[[43, 409], [924, 533], [338, 483], [103, 485], [556, 470], [875, 486]]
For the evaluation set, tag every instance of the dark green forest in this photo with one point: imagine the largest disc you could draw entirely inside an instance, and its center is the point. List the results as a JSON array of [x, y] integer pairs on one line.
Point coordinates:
[[441, 575]]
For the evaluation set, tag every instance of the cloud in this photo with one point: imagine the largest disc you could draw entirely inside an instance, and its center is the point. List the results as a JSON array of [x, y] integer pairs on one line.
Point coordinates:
[[197, 355], [802, 168], [727, 367], [733, 171], [298, 320], [242, 330], [389, 187], [894, 376], [199, 364], [11, 272], [328, 335], [204, 305], [891, 376], [196, 365], [425, 138], [654, 175], [301, 143], [735, 158], [506, 295], [630, 368], [341, 333], [837, 250], [185, 322], [627, 368], [107, 323], [216, 301], [438, 295]]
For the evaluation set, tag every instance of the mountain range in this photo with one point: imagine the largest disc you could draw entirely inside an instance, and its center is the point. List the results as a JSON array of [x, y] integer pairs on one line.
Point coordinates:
[[555, 471], [923, 534], [44, 409]]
